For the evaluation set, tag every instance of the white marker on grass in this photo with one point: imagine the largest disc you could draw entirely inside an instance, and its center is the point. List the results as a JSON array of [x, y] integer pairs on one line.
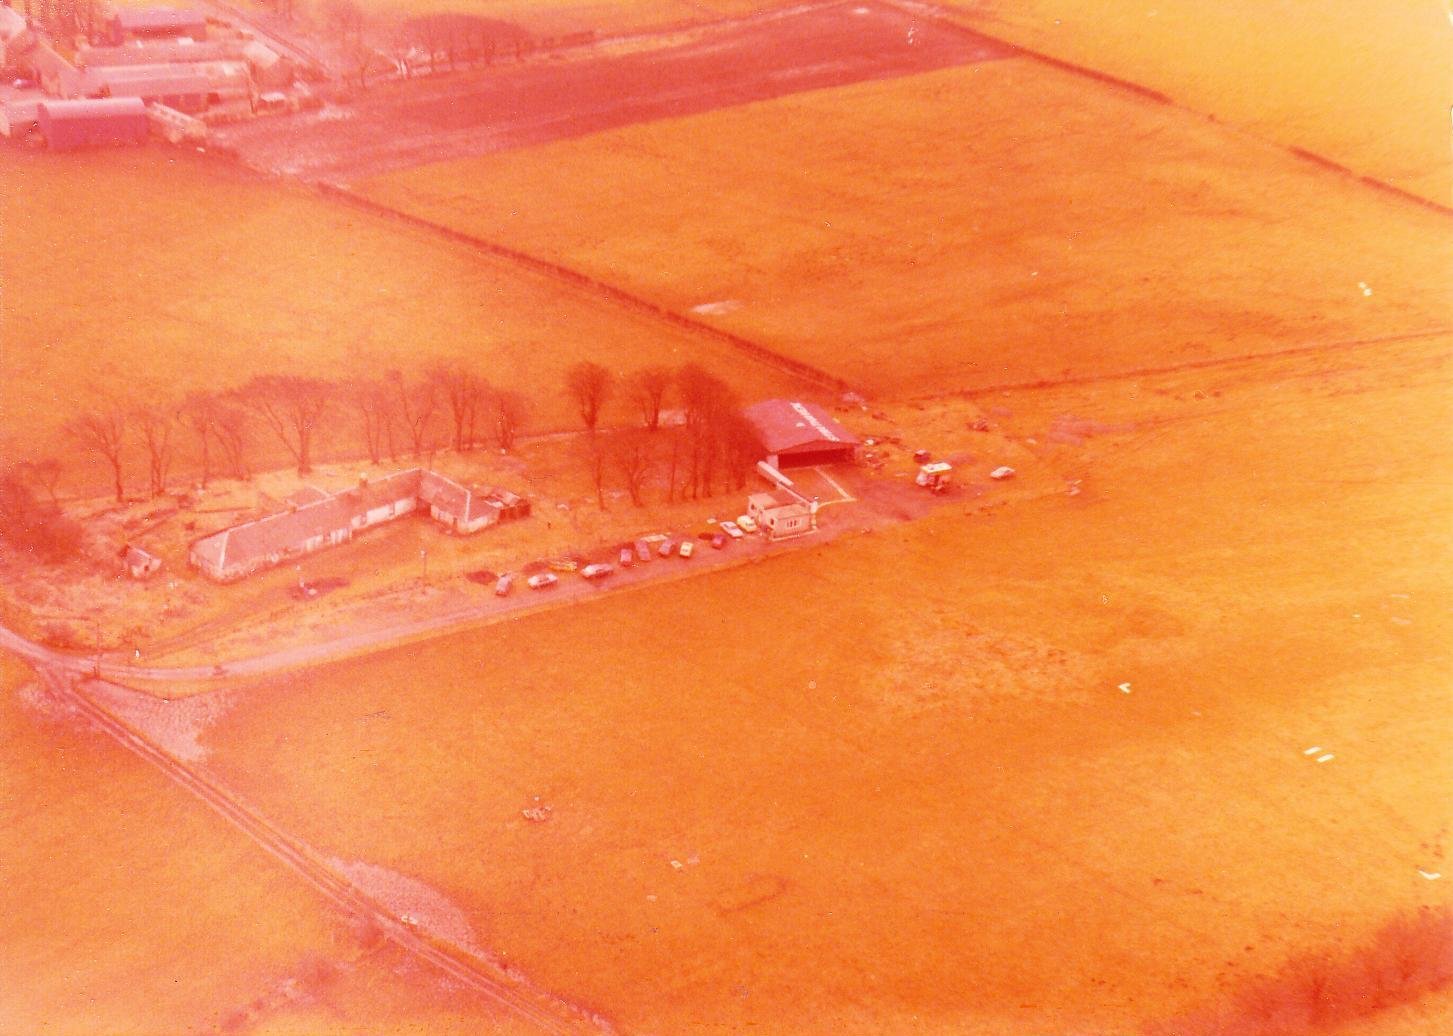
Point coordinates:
[[1124, 688], [1326, 758], [1313, 750], [1434, 876]]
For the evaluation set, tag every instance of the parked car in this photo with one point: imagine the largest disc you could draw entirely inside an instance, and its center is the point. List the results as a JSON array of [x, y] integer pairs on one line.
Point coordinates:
[[718, 542], [564, 564], [597, 571], [1002, 472], [541, 580], [732, 529], [628, 557], [504, 585], [643, 550], [687, 548], [666, 548], [746, 523]]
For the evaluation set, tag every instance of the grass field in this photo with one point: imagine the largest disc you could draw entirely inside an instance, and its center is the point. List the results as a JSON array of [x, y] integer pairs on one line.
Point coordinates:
[[129, 907], [154, 272], [986, 224], [1315, 74], [901, 785]]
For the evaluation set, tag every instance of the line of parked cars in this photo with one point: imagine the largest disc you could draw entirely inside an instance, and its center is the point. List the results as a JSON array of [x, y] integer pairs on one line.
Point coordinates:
[[628, 555]]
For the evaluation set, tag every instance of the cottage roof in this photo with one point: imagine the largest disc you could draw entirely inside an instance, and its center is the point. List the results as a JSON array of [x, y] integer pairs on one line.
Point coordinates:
[[107, 107], [288, 530], [159, 19], [784, 425]]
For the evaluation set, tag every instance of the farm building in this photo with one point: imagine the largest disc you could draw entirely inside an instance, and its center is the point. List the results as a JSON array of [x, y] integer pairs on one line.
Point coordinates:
[[187, 88], [137, 563], [781, 515], [315, 520], [156, 23], [18, 118], [793, 433], [12, 28], [72, 124], [160, 52]]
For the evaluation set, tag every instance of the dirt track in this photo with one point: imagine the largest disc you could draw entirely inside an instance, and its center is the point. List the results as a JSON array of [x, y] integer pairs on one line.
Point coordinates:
[[402, 124]]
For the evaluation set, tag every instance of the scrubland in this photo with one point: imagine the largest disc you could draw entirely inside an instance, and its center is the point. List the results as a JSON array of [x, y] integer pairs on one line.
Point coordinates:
[[986, 224]]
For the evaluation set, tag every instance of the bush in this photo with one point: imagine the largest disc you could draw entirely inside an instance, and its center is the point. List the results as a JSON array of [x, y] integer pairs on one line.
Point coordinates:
[[1408, 957]]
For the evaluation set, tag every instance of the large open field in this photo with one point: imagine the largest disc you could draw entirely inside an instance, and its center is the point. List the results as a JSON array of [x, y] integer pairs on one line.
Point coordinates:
[[155, 272], [993, 223], [1364, 83], [1042, 769]]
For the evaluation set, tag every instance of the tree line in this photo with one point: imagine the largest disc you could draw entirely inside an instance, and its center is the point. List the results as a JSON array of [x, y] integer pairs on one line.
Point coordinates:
[[686, 427]]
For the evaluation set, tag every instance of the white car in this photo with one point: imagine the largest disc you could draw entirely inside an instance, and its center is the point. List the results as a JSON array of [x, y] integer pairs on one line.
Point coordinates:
[[1002, 472], [746, 523], [687, 548], [596, 571], [540, 580], [731, 529]]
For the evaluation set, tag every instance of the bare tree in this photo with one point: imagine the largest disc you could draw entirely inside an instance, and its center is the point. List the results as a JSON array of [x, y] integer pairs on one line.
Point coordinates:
[[509, 410], [590, 385], [31, 527], [417, 402], [103, 432], [708, 404], [592, 456], [199, 412], [156, 424], [373, 402], [466, 393], [45, 473], [231, 433], [294, 407], [648, 388], [635, 458]]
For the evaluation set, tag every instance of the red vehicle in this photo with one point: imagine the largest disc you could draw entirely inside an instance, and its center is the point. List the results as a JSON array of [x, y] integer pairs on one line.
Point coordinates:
[[628, 557], [718, 542]]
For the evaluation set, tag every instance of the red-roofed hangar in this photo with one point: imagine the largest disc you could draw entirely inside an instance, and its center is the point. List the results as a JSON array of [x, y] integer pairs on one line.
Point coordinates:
[[799, 434]]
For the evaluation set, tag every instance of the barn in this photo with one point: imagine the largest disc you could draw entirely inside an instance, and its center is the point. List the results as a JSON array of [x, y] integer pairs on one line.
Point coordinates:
[[797, 434], [156, 23], [72, 124], [187, 88]]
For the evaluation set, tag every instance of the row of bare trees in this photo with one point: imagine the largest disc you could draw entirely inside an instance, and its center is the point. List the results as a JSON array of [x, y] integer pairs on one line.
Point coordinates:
[[708, 442], [369, 44], [393, 415], [688, 426]]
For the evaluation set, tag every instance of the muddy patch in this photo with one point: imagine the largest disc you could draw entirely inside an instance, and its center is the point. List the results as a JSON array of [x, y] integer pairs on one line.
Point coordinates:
[[175, 726]]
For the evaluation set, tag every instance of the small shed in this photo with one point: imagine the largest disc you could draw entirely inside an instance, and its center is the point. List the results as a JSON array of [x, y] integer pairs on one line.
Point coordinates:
[[797, 433], [138, 563], [72, 124], [156, 23]]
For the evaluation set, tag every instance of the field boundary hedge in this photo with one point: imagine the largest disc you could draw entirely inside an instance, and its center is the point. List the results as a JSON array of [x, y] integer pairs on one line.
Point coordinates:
[[619, 296]]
